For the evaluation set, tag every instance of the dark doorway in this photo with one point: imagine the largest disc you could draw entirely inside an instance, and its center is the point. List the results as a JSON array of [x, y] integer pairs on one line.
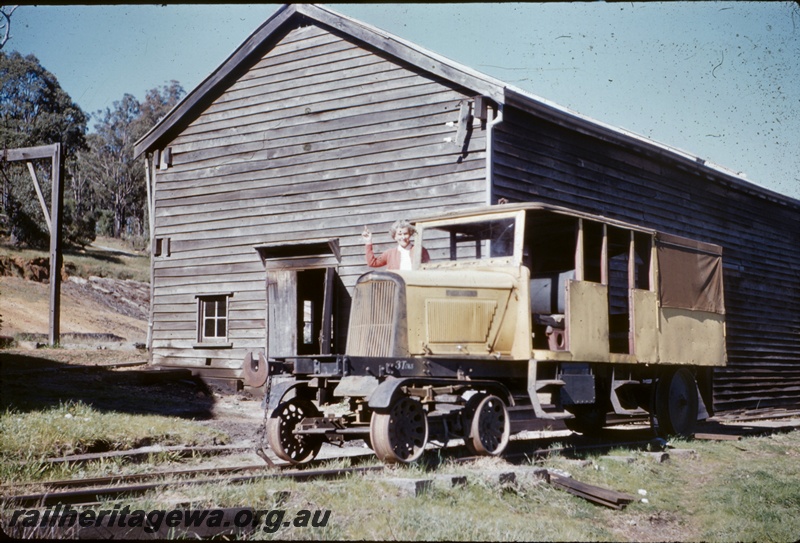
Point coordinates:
[[310, 312]]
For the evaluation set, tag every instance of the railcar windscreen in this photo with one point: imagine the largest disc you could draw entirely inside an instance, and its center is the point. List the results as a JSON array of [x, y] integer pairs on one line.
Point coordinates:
[[479, 240]]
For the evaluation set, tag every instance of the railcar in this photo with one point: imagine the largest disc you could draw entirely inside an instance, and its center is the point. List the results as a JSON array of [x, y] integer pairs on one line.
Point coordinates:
[[524, 310]]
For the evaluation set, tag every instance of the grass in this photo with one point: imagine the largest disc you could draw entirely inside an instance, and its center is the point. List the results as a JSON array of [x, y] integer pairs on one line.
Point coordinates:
[[714, 495], [754, 500], [76, 428], [719, 494], [28, 438], [55, 402]]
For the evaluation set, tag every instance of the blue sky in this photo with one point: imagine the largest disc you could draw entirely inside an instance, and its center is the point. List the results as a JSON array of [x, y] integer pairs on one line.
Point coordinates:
[[720, 80]]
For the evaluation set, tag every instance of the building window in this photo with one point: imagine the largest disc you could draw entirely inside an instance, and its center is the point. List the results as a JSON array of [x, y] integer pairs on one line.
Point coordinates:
[[212, 325], [161, 247]]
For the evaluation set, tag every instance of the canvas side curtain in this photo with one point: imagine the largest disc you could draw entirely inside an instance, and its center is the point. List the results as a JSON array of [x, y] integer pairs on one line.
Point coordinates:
[[690, 274]]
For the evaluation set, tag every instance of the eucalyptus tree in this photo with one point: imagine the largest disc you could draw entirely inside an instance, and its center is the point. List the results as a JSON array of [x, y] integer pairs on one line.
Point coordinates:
[[34, 110], [117, 179]]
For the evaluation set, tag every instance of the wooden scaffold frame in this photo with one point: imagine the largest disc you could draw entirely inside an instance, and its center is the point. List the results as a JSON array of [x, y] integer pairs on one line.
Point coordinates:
[[52, 218]]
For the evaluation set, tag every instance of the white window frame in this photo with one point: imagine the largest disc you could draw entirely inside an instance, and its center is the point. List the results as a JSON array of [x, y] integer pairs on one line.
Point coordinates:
[[216, 341]]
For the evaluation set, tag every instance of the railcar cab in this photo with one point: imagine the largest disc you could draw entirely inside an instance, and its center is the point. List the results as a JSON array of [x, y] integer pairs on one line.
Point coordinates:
[[599, 289], [612, 309]]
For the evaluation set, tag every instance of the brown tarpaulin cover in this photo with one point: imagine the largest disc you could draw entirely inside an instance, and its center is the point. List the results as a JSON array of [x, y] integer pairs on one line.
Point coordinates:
[[690, 274]]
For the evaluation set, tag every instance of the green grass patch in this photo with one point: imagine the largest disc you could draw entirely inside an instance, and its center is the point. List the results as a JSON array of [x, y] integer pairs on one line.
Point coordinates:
[[721, 491], [754, 494], [26, 439]]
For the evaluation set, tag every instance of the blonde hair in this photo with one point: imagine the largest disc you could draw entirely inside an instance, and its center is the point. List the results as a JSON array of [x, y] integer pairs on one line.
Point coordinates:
[[402, 223]]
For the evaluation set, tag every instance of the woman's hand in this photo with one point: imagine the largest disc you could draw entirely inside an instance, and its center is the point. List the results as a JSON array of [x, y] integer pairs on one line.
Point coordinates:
[[366, 235]]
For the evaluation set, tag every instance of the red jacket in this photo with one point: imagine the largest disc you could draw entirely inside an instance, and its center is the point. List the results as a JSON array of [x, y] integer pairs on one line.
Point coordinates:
[[391, 258]]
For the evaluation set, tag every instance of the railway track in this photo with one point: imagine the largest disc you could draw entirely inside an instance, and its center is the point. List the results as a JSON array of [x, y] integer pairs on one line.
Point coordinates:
[[91, 496], [90, 491]]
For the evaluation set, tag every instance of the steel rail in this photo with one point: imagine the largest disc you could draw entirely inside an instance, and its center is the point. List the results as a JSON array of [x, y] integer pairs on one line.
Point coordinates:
[[92, 495], [143, 451], [134, 477]]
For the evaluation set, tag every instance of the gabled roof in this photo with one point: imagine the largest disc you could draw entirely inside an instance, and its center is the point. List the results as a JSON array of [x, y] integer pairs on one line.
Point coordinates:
[[286, 18], [290, 16]]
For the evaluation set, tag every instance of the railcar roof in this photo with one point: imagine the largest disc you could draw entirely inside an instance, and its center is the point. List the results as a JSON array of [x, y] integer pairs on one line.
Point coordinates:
[[489, 210], [530, 206]]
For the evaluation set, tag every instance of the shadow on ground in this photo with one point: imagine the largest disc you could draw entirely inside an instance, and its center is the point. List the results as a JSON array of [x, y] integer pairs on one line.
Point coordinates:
[[34, 382]]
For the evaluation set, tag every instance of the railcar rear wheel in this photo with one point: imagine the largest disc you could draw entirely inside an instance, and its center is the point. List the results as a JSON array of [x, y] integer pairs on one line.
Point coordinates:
[[676, 403], [399, 435], [287, 445], [489, 426]]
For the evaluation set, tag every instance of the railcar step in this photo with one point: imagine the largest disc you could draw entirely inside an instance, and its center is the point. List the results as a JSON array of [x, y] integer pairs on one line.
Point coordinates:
[[549, 385]]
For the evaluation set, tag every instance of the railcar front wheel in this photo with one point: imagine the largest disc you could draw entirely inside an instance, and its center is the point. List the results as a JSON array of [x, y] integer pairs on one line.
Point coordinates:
[[489, 426], [399, 435], [283, 441]]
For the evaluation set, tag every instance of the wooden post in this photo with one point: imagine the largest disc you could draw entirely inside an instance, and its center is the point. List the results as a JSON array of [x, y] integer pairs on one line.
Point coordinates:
[[579, 251], [39, 195], [604, 257], [148, 176], [56, 205], [327, 312]]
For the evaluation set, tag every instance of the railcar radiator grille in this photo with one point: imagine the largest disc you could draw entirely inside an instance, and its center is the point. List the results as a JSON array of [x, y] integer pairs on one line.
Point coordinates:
[[459, 321], [372, 319]]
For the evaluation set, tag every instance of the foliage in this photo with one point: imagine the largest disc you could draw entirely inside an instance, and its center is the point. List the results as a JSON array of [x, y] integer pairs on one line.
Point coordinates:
[[78, 226], [34, 111], [104, 189], [108, 164]]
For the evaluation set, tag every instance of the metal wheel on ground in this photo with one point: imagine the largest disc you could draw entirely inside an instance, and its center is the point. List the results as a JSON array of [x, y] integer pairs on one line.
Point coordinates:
[[399, 435], [280, 431], [488, 424], [676, 403]]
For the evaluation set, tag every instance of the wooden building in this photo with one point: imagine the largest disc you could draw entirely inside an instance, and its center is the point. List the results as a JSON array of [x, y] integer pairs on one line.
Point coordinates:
[[262, 178]]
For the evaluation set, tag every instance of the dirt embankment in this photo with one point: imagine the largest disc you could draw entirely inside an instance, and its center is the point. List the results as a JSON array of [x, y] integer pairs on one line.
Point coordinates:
[[34, 269], [96, 305]]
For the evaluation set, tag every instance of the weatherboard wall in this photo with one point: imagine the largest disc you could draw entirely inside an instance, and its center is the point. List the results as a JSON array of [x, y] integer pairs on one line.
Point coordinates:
[[538, 159], [318, 138]]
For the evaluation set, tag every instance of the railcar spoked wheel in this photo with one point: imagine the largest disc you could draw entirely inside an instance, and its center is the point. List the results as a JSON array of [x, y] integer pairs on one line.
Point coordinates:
[[280, 431], [489, 427], [676, 403], [399, 435]]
